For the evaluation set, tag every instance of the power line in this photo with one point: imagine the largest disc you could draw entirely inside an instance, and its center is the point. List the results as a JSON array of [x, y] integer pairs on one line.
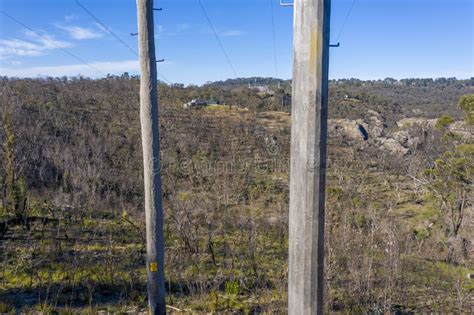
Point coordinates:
[[106, 27], [51, 42], [133, 51], [345, 20], [217, 37], [274, 39]]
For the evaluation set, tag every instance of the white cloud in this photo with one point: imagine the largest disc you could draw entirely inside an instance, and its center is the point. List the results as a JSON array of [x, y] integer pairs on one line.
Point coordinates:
[[36, 45], [47, 41], [80, 33], [231, 33], [113, 67], [18, 47]]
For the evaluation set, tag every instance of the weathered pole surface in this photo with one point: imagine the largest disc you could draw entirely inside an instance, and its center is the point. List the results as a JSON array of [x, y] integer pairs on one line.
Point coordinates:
[[308, 156], [151, 158]]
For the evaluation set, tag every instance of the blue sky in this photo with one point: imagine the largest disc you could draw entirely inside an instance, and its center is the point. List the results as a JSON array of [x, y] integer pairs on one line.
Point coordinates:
[[381, 38]]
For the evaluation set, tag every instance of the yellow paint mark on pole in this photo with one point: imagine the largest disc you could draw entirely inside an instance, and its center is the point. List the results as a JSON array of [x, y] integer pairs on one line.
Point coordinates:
[[153, 267]]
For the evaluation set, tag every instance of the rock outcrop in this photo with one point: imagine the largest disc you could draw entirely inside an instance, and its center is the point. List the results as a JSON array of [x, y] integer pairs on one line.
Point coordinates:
[[374, 131], [458, 127], [406, 139], [462, 128], [410, 122], [376, 124], [393, 146], [358, 130], [349, 129]]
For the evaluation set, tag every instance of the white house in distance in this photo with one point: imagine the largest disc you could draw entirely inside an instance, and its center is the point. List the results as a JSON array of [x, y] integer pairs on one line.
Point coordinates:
[[195, 103], [199, 103], [264, 89]]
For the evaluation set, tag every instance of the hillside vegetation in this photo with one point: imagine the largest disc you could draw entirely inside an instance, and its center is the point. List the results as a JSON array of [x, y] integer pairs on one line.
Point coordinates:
[[399, 197]]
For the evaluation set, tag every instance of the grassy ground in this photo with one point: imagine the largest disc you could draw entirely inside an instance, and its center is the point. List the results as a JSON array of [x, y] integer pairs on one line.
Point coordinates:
[[224, 257]]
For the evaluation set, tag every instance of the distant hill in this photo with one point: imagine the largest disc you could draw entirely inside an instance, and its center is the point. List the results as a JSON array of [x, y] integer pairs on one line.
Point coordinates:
[[417, 82], [353, 98], [245, 82]]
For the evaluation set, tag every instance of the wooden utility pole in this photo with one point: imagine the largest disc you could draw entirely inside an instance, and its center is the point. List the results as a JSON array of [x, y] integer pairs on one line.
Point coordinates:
[[308, 156], [151, 158]]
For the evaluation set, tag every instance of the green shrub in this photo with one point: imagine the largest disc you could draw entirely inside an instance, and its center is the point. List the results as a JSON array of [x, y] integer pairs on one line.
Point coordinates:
[[6, 308], [466, 103], [444, 121]]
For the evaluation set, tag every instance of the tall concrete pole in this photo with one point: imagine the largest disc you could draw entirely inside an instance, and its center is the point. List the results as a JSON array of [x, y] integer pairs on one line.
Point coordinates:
[[308, 156], [151, 158]]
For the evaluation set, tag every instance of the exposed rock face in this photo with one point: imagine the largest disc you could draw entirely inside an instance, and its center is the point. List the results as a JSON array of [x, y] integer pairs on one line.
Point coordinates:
[[458, 127], [376, 126], [423, 122], [401, 136], [350, 129], [393, 146], [373, 130], [462, 128], [404, 138]]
